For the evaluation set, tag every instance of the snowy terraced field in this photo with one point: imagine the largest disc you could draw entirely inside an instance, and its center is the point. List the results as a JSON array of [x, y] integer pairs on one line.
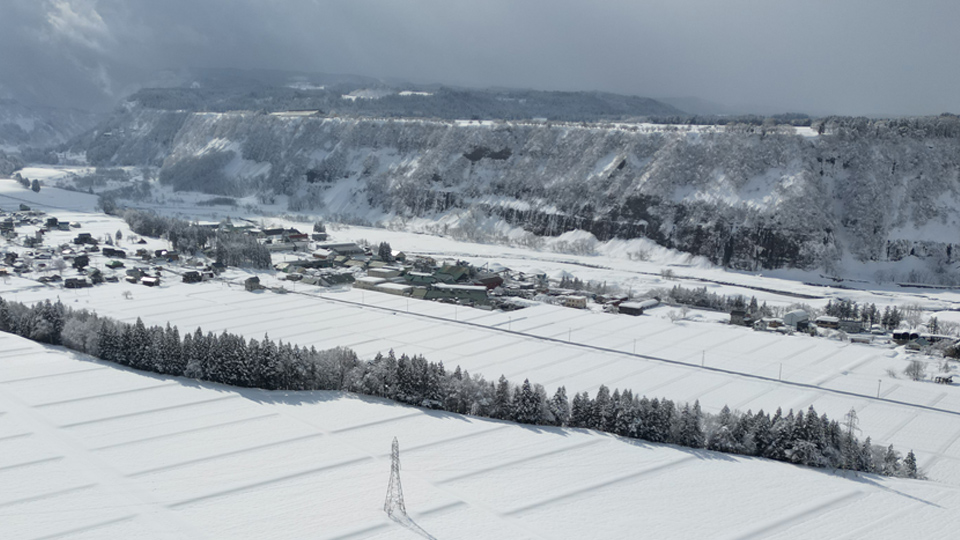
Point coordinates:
[[685, 361], [88, 450]]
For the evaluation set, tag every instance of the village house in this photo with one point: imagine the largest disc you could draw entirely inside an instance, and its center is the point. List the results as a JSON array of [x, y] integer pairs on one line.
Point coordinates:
[[575, 301], [826, 321], [76, 283], [342, 248], [465, 294], [385, 272], [637, 308], [368, 282], [394, 288], [419, 278]]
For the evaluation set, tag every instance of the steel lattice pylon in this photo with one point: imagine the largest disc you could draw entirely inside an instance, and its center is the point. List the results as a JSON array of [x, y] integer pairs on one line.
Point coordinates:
[[394, 500]]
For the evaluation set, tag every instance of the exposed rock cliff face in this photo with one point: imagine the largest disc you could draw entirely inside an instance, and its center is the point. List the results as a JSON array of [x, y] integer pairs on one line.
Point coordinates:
[[744, 197]]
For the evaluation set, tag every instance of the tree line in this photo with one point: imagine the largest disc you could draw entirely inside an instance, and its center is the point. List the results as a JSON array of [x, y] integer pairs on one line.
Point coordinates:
[[804, 437], [229, 248]]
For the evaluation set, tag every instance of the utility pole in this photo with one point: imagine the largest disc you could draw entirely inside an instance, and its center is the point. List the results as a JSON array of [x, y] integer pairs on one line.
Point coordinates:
[[394, 501]]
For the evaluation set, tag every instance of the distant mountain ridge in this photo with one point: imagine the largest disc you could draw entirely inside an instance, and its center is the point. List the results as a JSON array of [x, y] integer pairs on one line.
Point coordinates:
[[357, 96]]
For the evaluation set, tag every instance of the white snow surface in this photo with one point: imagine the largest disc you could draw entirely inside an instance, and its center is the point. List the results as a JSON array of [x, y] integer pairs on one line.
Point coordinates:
[[89, 450], [104, 452]]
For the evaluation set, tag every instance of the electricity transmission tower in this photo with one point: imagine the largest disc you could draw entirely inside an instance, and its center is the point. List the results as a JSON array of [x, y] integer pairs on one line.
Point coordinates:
[[394, 500], [851, 422]]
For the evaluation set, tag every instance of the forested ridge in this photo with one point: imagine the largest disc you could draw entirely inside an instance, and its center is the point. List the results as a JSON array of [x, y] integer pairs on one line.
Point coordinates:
[[745, 196], [802, 437]]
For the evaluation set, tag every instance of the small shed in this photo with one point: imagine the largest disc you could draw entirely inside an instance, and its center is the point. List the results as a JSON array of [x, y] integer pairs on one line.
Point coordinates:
[[252, 284]]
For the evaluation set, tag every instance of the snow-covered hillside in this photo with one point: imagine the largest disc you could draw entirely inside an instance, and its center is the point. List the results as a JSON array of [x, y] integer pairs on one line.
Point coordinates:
[[743, 197], [23, 126], [89, 450]]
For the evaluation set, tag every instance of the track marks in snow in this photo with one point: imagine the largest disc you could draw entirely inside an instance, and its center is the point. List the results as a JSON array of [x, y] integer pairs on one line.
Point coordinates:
[[603, 484], [221, 455], [448, 440], [52, 375], [88, 528], [48, 495], [107, 394], [31, 463], [377, 422], [186, 431], [268, 482], [765, 530], [12, 437], [525, 459], [150, 411]]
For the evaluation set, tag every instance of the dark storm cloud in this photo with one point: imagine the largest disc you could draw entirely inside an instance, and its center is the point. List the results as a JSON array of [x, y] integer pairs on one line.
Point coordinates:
[[821, 56]]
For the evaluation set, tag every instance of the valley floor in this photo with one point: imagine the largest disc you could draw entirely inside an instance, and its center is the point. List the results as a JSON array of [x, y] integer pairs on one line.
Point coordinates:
[[88, 450]]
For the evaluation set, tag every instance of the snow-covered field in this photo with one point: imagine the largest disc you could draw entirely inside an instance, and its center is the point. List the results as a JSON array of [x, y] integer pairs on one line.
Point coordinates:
[[88, 450], [134, 452]]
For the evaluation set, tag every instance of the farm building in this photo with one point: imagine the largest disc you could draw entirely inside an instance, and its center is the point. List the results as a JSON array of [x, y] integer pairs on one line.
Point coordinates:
[[463, 293], [385, 272], [367, 282], [76, 283], [451, 273], [637, 308], [420, 278], [394, 288], [797, 318], [850, 326], [342, 248], [740, 317]]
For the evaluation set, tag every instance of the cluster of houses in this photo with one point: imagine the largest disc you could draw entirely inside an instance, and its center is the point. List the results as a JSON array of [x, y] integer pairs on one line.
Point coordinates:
[[50, 261], [489, 287], [859, 331], [340, 263], [273, 238]]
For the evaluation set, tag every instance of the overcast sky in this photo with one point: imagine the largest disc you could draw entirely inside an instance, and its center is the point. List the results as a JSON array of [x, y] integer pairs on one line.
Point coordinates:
[[874, 57]]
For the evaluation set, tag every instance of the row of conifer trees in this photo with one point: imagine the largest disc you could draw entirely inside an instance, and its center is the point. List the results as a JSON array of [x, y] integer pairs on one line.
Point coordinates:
[[804, 437]]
